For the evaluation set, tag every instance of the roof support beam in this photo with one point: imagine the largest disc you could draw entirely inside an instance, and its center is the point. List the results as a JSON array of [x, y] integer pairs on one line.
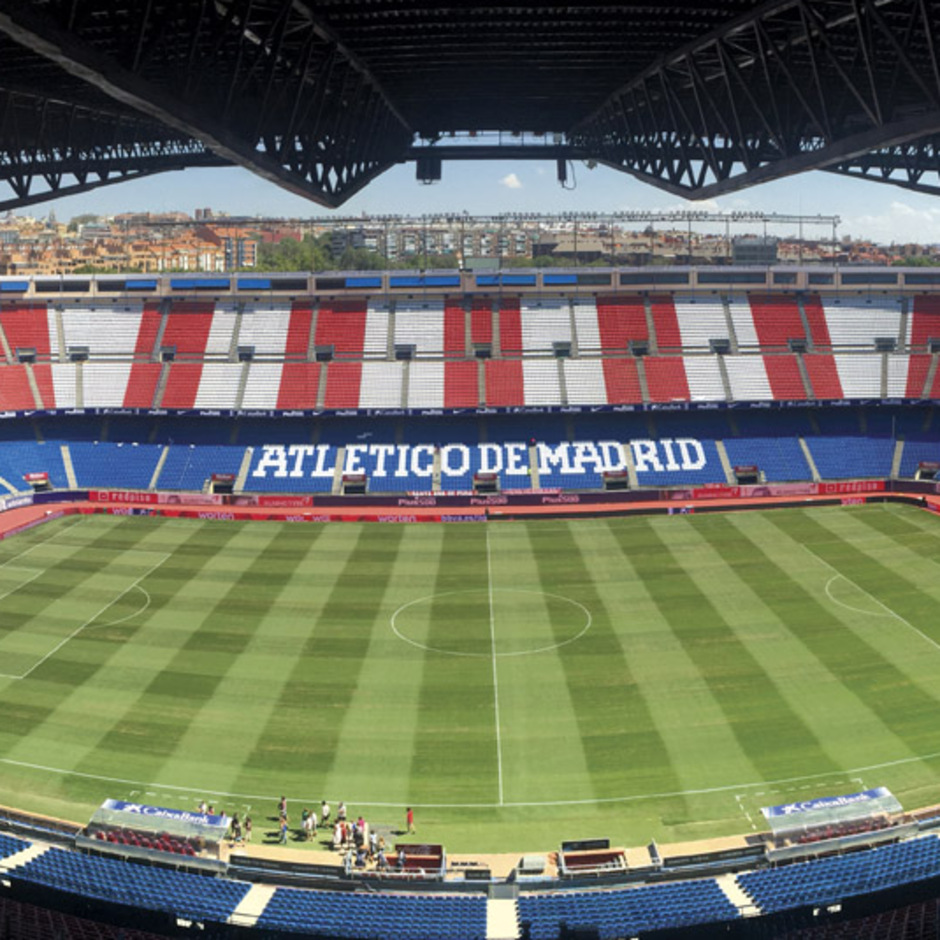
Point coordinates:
[[257, 60]]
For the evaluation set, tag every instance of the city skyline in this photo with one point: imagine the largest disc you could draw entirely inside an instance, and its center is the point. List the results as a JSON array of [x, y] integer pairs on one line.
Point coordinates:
[[878, 212]]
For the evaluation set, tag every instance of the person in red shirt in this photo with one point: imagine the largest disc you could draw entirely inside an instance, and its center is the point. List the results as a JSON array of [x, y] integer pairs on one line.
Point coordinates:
[[410, 819]]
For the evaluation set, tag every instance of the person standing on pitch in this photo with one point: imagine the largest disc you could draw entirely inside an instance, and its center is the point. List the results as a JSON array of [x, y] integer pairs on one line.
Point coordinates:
[[410, 820]]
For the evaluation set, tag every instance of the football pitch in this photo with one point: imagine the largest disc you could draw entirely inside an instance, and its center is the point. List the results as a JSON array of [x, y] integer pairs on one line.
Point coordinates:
[[517, 683]]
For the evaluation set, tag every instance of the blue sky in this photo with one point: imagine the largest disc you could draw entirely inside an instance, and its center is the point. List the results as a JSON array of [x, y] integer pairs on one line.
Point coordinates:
[[868, 210]]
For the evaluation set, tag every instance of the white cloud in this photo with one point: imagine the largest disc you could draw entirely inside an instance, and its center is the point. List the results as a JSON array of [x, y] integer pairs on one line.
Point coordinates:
[[897, 222], [511, 181]]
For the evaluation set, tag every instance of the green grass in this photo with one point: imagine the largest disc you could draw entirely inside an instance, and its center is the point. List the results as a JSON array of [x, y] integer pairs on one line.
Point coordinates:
[[518, 683]]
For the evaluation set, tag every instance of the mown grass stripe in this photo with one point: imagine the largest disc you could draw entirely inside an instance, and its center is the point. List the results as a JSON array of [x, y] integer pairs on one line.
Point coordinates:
[[454, 748], [702, 748], [301, 738], [760, 602], [907, 710], [623, 749], [541, 759], [191, 679], [769, 732]]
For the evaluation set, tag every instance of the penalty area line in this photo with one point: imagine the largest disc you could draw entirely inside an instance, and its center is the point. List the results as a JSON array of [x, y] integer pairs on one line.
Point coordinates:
[[55, 649], [499, 743], [881, 604]]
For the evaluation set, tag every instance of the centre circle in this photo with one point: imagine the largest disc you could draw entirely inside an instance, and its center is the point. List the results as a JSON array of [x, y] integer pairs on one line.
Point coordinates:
[[486, 623]]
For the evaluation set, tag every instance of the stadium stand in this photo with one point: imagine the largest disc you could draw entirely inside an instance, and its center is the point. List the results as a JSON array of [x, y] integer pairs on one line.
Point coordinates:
[[375, 335], [925, 321], [776, 320], [461, 384], [625, 913], [858, 324], [703, 374], [785, 378], [343, 381], [16, 394], [263, 385], [584, 381], [448, 917], [119, 465], [28, 326], [699, 322], [142, 385], [182, 385], [188, 467], [188, 326], [104, 331], [455, 328], [426, 385], [816, 319], [420, 325], [300, 383], [823, 377], [195, 897], [826, 880], [342, 325], [544, 323], [265, 328], [666, 379], [218, 385], [859, 375], [510, 326], [747, 377], [298, 330], [540, 382], [619, 320], [481, 320], [666, 324], [504, 383], [29, 922]]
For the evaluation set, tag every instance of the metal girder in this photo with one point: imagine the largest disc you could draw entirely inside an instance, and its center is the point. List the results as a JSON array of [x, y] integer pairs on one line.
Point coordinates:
[[794, 85], [260, 83], [50, 149], [910, 166]]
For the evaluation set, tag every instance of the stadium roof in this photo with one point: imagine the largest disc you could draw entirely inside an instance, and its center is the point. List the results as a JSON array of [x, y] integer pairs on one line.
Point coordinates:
[[321, 97]]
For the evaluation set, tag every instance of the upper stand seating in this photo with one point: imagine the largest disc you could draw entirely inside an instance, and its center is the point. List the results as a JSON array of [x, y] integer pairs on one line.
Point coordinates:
[[540, 381], [426, 385], [218, 385], [510, 326], [107, 331], [455, 329], [265, 327], [544, 323], [620, 320], [703, 373], [700, 321], [263, 385], [188, 326], [776, 319], [748, 379], [420, 324], [924, 321], [342, 325], [29, 326], [857, 323], [786, 381], [381, 385]]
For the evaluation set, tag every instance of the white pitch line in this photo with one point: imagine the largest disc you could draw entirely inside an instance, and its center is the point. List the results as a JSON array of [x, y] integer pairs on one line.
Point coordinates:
[[597, 801], [92, 619], [38, 544], [499, 743], [868, 594]]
